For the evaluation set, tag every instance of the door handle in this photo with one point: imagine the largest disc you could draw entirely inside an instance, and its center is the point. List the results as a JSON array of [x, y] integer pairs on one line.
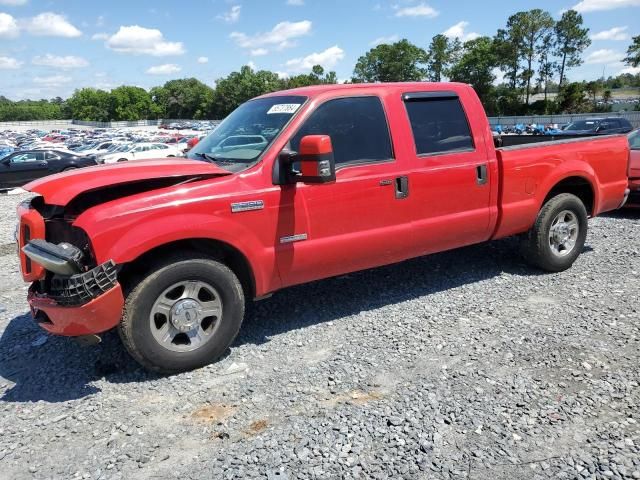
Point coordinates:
[[481, 175], [402, 187]]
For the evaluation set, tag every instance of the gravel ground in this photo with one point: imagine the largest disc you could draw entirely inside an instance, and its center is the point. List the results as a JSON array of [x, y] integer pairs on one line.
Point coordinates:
[[466, 364]]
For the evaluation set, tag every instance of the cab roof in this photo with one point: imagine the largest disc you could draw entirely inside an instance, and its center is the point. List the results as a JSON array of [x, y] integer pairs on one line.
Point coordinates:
[[315, 90]]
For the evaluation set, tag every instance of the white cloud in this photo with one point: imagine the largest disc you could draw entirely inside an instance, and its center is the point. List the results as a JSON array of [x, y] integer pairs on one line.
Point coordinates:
[[252, 65], [99, 36], [422, 10], [280, 36], [615, 33], [232, 16], [603, 55], [380, 40], [54, 61], [631, 70], [138, 40], [282, 74], [327, 58], [258, 52], [203, 60], [51, 24], [458, 31], [295, 3], [100, 21], [13, 3], [499, 74], [52, 81], [8, 63], [597, 5], [166, 69], [8, 26]]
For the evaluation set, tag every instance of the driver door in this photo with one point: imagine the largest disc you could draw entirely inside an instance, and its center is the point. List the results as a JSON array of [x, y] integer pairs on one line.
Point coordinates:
[[361, 220]]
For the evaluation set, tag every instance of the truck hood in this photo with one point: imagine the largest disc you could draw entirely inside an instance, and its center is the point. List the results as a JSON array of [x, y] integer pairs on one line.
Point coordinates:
[[60, 189]]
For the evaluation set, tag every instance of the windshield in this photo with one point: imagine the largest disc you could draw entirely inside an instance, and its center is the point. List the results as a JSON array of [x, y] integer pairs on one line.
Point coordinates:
[[247, 132], [582, 125]]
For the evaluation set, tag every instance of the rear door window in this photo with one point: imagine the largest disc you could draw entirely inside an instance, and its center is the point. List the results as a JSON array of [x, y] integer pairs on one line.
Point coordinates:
[[438, 123]]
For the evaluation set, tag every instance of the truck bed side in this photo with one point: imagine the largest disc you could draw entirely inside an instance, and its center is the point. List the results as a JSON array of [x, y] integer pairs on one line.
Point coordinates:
[[593, 168]]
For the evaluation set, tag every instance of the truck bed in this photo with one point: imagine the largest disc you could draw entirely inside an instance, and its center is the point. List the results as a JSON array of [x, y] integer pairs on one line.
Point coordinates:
[[528, 172]]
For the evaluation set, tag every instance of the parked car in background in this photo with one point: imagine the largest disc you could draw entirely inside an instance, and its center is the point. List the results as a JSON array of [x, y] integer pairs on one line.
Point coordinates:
[[19, 168], [142, 151], [634, 168], [597, 126]]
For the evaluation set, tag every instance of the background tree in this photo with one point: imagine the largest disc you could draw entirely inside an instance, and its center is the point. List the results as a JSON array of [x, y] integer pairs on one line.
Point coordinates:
[[592, 88], [131, 103], [546, 64], [571, 98], [238, 87], [475, 67], [187, 98], [571, 40], [397, 62], [442, 53], [90, 104], [507, 48], [316, 77], [633, 53], [533, 26], [607, 96]]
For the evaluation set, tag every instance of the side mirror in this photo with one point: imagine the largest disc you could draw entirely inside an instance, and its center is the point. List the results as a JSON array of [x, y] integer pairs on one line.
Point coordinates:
[[317, 164]]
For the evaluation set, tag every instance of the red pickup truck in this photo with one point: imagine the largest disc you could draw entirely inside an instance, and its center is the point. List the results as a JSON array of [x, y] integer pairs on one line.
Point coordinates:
[[634, 169], [296, 186]]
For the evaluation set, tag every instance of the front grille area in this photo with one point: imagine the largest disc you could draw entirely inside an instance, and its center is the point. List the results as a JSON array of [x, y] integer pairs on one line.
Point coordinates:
[[83, 287]]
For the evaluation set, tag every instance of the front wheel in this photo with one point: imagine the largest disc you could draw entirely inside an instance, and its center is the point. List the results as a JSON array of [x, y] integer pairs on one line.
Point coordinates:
[[557, 238], [183, 315]]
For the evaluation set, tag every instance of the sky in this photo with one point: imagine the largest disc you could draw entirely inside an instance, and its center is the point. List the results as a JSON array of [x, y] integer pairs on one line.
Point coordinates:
[[49, 48]]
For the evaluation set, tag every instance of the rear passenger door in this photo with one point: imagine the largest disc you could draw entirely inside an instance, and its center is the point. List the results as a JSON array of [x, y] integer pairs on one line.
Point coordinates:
[[450, 181]]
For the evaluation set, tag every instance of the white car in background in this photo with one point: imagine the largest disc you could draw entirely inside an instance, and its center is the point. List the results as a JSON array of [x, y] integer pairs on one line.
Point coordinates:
[[142, 151]]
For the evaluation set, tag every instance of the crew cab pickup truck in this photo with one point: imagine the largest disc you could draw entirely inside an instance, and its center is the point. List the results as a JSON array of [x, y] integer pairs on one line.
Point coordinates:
[[296, 186]]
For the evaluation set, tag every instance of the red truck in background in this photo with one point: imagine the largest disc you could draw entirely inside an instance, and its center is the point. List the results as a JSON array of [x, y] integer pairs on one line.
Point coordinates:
[[634, 169], [292, 187]]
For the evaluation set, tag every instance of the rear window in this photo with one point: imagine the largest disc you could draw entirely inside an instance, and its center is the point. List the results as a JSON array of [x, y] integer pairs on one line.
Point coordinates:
[[439, 125]]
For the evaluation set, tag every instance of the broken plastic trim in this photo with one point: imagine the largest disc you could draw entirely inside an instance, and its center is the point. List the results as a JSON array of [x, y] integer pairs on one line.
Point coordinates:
[[83, 287]]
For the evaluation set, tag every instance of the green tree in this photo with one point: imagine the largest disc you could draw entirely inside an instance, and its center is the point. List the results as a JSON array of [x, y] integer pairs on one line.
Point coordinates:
[[238, 87], [131, 103], [90, 104], [546, 63], [397, 62], [507, 48], [442, 53], [571, 98], [633, 52], [187, 98], [592, 88], [316, 77], [475, 67], [534, 25], [607, 96], [571, 40]]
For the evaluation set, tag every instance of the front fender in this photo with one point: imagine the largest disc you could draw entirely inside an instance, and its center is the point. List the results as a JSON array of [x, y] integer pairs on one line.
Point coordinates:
[[125, 237]]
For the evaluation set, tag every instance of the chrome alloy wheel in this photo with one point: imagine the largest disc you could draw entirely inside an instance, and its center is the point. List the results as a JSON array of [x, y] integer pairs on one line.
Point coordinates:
[[186, 315], [563, 233]]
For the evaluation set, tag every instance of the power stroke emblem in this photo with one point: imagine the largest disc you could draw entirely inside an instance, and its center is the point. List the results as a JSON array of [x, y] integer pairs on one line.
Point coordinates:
[[246, 206]]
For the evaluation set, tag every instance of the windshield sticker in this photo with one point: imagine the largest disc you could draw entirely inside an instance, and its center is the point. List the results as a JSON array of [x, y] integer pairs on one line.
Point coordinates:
[[284, 108]]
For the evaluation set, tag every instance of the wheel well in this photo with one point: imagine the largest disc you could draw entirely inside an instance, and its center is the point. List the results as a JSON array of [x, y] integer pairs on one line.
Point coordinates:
[[577, 186], [215, 249]]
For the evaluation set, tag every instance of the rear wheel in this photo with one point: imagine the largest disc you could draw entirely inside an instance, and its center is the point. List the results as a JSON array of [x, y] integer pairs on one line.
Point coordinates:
[[122, 160], [558, 236], [183, 315]]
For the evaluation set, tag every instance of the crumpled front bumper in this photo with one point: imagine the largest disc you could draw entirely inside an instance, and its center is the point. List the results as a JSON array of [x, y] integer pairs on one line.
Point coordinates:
[[96, 316]]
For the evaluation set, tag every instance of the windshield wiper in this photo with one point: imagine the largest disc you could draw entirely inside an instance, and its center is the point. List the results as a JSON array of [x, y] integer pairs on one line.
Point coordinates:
[[214, 158]]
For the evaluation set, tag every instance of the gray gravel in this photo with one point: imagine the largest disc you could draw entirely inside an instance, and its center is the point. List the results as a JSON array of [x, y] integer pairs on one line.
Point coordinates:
[[466, 364]]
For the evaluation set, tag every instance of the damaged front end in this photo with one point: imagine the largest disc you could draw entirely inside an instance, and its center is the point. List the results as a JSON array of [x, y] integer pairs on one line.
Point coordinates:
[[70, 294]]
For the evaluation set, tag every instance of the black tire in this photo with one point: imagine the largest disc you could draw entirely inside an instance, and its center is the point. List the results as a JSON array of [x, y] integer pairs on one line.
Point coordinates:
[[136, 329], [122, 160], [536, 245]]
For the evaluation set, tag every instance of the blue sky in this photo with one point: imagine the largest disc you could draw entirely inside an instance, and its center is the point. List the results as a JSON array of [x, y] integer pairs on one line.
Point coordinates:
[[51, 47]]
